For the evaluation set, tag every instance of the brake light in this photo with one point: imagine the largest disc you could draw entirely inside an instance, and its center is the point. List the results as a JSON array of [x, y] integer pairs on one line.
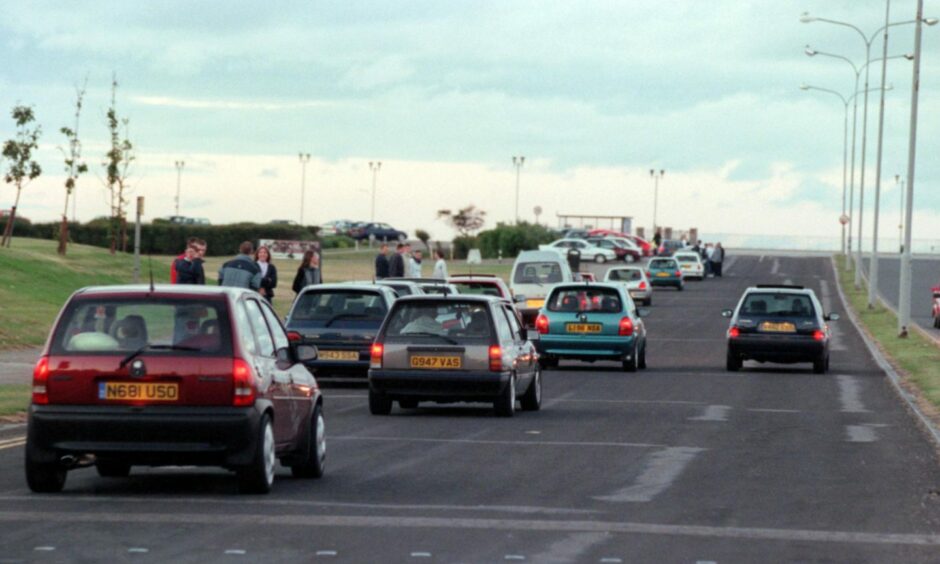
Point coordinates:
[[649, 273], [376, 354], [40, 378], [244, 384], [496, 358], [678, 273], [626, 327], [818, 335], [294, 337], [734, 333], [642, 284], [541, 324]]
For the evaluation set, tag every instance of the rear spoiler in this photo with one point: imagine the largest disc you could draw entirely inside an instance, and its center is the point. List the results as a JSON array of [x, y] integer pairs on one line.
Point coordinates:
[[781, 286]]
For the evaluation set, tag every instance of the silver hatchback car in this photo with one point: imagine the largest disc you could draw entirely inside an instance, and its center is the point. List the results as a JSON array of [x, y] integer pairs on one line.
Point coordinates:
[[458, 348]]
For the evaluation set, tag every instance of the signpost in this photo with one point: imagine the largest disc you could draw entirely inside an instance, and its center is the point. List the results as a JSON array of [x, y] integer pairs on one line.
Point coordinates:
[[140, 212]]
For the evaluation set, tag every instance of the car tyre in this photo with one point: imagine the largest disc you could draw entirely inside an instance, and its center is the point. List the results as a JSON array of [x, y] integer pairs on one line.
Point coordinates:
[[821, 365], [648, 302], [546, 361], [44, 477], [642, 361], [408, 403], [112, 469], [258, 476], [733, 362], [600, 259], [680, 287], [634, 362], [532, 398], [505, 404], [379, 404], [313, 463]]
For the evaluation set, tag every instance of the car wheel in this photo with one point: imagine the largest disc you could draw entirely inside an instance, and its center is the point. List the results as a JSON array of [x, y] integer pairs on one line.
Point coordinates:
[[632, 364], [642, 362], [408, 403], [258, 476], [402, 237], [629, 258], [112, 469], [505, 404], [379, 404], [819, 365], [733, 362], [600, 259], [548, 362], [313, 463], [936, 322], [532, 398], [648, 302], [680, 287], [44, 477]]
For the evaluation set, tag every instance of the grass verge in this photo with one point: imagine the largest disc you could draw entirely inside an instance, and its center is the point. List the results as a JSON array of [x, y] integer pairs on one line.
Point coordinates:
[[14, 398], [916, 358]]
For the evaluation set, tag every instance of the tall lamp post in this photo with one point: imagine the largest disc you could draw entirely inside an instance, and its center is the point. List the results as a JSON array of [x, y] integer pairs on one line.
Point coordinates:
[[656, 176], [179, 175], [517, 162], [374, 167], [304, 159], [899, 182]]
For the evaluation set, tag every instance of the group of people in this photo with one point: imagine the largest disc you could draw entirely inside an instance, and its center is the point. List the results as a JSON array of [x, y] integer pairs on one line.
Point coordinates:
[[404, 263], [712, 255]]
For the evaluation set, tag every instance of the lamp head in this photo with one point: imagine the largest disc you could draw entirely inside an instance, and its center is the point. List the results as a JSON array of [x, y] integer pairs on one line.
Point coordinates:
[[909, 56], [806, 18], [931, 21], [809, 51], [804, 86]]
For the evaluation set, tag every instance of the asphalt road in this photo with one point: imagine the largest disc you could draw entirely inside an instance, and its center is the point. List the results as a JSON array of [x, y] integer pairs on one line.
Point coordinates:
[[926, 275], [683, 462]]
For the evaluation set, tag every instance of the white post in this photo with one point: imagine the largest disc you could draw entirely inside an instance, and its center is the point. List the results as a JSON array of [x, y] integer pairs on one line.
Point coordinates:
[[845, 148], [179, 174], [848, 257], [861, 186], [374, 167], [873, 275], [517, 162], [304, 159], [904, 299]]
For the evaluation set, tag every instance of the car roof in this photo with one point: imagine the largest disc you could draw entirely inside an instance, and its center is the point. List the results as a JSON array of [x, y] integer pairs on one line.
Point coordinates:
[[640, 268], [541, 256], [164, 290], [452, 298], [782, 289], [587, 286], [415, 280], [473, 275], [687, 253], [347, 286]]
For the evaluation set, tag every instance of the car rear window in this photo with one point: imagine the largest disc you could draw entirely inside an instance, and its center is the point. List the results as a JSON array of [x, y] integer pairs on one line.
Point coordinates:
[[663, 263], [401, 289], [436, 289], [537, 273], [118, 326], [605, 300], [778, 305], [625, 275], [478, 288], [449, 320], [687, 258], [338, 308]]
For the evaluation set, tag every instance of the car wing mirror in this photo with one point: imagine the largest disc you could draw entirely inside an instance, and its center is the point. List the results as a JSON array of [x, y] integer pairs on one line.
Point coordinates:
[[832, 317], [727, 313], [518, 299], [306, 353]]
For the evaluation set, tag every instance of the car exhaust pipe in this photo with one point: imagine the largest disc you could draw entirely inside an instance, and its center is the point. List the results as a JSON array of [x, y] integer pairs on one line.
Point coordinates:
[[68, 461]]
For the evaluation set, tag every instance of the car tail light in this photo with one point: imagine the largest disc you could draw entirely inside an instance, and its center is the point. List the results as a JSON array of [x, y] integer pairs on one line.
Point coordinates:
[[679, 273], [294, 337], [541, 324], [376, 354], [496, 358], [649, 273], [626, 327], [642, 284], [40, 378], [244, 384], [818, 335], [734, 333]]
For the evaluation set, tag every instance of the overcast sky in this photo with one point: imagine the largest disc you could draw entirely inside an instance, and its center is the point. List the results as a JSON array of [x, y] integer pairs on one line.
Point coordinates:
[[594, 94]]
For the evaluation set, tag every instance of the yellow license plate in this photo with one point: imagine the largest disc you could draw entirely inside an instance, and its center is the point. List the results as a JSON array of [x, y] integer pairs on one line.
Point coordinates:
[[662, 274], [686, 266], [583, 327], [535, 304], [338, 355], [138, 391], [778, 327], [436, 362]]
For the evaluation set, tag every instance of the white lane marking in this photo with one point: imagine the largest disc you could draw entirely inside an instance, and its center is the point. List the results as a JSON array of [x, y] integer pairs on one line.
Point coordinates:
[[850, 394], [662, 469], [236, 551], [420, 554], [514, 557], [508, 443], [788, 282], [713, 413], [770, 410], [705, 562], [138, 550], [613, 560], [667, 402], [860, 434], [305, 521], [776, 266], [761, 259], [44, 548], [570, 548], [533, 432], [730, 262], [12, 443], [326, 553]]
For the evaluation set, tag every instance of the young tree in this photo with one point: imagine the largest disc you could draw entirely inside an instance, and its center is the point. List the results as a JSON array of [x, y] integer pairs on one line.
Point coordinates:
[[424, 237], [117, 165], [22, 168], [74, 166], [465, 220]]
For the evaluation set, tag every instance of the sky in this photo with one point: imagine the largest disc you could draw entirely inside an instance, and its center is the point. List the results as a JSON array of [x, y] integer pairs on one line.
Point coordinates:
[[593, 94]]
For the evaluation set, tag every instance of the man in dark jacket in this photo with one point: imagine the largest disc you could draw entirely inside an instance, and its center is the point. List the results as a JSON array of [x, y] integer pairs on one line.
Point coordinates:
[[188, 267], [242, 271], [396, 264], [381, 262]]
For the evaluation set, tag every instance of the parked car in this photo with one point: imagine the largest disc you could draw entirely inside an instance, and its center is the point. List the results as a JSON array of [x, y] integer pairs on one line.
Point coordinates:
[[453, 348], [784, 324], [591, 322], [585, 277], [691, 264], [669, 247], [379, 231], [574, 233], [624, 252], [635, 280], [533, 275], [341, 320], [336, 227], [644, 245], [935, 292], [172, 375], [589, 251], [481, 284], [402, 287], [665, 272]]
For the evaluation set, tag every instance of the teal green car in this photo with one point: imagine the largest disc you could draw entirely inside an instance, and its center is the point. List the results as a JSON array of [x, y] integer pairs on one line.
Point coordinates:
[[590, 322], [665, 272]]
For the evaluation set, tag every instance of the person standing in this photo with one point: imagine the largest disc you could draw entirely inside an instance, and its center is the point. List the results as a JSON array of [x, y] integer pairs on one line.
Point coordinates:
[[414, 265], [396, 264], [187, 255], [268, 273], [718, 257], [308, 273], [658, 240], [440, 267], [188, 267], [381, 262], [241, 271]]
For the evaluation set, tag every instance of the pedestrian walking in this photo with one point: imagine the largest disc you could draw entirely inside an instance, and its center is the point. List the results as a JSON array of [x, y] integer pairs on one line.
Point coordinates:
[[241, 271], [396, 264], [308, 273], [440, 267], [414, 264], [268, 273], [718, 257], [658, 240], [381, 262]]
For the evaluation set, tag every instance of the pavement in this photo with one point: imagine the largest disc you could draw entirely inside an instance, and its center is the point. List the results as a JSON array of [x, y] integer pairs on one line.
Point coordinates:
[[683, 462]]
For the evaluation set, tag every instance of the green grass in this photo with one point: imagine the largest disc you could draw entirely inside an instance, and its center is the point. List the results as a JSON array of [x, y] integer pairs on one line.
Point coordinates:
[[916, 356], [14, 398]]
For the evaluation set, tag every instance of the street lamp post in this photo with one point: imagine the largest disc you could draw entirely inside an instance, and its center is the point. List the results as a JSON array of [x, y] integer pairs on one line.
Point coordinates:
[[900, 184], [304, 159], [656, 178], [517, 162], [873, 271], [179, 175], [374, 167]]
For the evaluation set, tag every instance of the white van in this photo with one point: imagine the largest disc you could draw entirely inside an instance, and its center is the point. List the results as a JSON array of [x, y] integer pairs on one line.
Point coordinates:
[[533, 275]]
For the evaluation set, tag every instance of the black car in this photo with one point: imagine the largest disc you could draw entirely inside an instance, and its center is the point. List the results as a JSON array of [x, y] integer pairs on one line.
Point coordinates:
[[784, 324], [379, 231]]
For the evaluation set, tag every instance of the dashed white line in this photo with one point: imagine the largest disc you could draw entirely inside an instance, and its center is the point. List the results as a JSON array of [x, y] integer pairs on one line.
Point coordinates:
[[776, 266], [514, 557], [713, 413], [662, 469], [44, 548], [420, 554], [138, 550], [850, 394], [611, 560], [860, 434], [237, 551], [326, 553]]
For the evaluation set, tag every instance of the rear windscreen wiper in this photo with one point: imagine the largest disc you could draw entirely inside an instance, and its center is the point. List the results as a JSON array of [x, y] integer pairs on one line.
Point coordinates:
[[341, 316], [150, 347], [427, 334]]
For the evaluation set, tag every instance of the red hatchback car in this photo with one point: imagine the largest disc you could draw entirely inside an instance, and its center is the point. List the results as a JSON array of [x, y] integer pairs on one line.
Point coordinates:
[[172, 375]]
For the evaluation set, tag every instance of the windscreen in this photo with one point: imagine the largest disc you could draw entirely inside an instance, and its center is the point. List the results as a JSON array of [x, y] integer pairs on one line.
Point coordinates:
[[120, 326], [778, 305], [448, 321], [537, 273], [665, 264], [478, 288], [625, 275], [576, 299], [338, 309]]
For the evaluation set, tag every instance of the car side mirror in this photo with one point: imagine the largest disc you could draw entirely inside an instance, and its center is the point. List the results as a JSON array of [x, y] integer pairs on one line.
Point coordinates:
[[642, 312], [831, 317], [518, 299], [727, 313], [306, 352]]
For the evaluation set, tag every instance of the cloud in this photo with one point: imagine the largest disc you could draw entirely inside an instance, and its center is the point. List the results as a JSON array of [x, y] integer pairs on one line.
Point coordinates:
[[237, 105]]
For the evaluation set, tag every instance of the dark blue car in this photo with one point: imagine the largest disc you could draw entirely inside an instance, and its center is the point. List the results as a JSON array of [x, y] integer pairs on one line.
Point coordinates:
[[380, 231]]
